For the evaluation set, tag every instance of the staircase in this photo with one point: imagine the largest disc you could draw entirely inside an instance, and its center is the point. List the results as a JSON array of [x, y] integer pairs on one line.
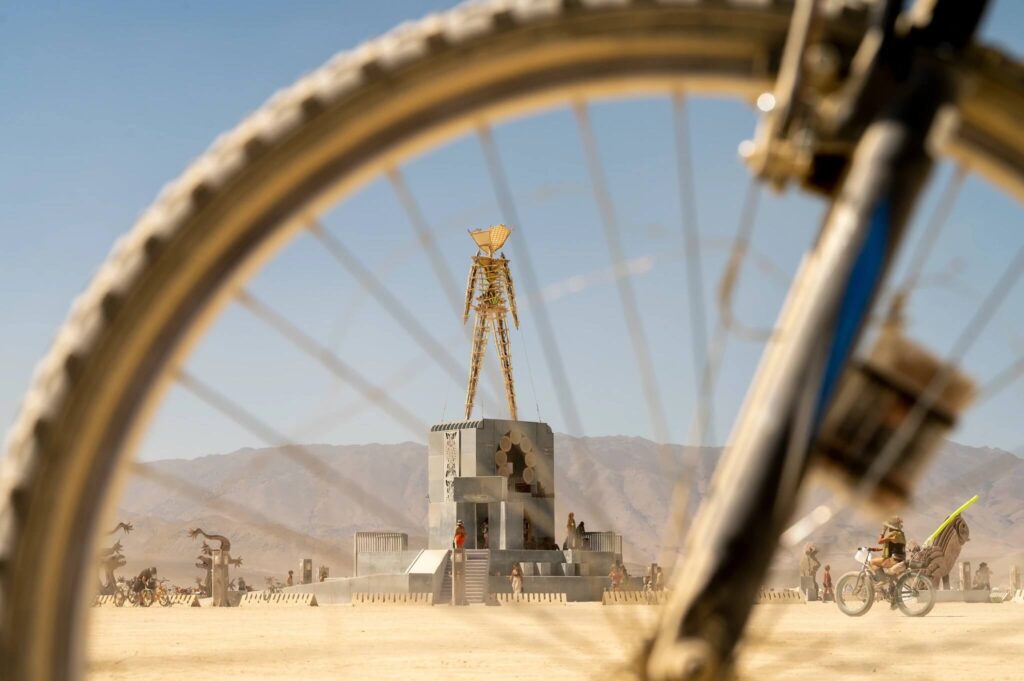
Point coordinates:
[[445, 597], [478, 568]]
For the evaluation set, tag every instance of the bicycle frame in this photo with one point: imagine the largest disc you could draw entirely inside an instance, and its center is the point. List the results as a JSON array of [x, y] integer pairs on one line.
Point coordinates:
[[755, 488]]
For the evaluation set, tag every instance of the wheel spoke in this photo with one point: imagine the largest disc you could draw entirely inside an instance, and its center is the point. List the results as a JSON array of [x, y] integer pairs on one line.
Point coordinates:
[[1001, 381], [394, 307], [702, 428], [635, 328], [725, 297], [301, 455], [627, 296], [545, 330], [691, 250], [892, 449], [217, 502], [333, 363], [333, 418], [427, 239], [521, 252], [933, 229]]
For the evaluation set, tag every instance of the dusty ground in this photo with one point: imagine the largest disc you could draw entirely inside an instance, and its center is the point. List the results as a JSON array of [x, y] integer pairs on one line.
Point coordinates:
[[576, 641]]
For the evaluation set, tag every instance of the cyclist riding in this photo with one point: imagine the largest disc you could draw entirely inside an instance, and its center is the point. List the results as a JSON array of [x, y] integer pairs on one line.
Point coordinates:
[[894, 545]]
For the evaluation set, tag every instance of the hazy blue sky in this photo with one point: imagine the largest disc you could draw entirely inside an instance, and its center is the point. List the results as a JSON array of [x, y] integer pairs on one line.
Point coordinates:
[[105, 102]]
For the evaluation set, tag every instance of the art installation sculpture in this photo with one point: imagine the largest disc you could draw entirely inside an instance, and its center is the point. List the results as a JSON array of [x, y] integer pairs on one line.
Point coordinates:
[[110, 559], [809, 563], [219, 562], [938, 558], [127, 527], [225, 543], [491, 281], [204, 561]]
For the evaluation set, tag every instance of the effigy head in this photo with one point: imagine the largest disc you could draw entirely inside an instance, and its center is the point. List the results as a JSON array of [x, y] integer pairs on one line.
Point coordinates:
[[810, 549], [963, 532], [490, 240]]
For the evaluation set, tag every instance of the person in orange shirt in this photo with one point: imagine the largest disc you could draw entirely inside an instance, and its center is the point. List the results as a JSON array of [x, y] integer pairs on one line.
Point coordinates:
[[460, 535]]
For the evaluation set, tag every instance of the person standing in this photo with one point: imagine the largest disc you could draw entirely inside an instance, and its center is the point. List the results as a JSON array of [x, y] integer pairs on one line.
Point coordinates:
[[516, 579], [827, 593], [460, 535], [485, 533], [570, 531], [291, 578], [616, 577], [983, 577]]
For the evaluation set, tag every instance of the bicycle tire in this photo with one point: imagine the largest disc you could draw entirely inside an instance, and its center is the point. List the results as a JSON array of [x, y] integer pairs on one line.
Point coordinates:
[[869, 593], [923, 583], [313, 143]]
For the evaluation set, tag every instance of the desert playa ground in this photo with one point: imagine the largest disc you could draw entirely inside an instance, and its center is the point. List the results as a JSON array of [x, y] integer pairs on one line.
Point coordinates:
[[575, 641]]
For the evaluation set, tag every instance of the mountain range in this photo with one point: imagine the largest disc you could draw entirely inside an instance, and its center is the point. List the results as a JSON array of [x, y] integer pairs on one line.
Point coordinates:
[[278, 505]]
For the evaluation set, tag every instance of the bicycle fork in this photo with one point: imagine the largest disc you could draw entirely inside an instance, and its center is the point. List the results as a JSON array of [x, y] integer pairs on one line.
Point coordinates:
[[754, 489]]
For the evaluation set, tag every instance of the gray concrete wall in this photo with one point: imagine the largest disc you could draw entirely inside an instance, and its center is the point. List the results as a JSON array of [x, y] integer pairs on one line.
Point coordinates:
[[389, 562], [481, 489], [970, 596], [477, 444], [426, 574], [512, 525], [502, 561], [339, 591], [592, 563]]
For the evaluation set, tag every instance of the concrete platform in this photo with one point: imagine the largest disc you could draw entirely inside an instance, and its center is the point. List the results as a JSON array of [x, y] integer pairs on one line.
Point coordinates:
[[972, 596], [576, 589]]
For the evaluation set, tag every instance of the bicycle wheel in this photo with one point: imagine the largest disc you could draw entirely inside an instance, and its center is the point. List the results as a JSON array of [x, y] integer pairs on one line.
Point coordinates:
[[165, 599], [313, 144], [119, 598], [915, 594], [855, 593], [146, 598]]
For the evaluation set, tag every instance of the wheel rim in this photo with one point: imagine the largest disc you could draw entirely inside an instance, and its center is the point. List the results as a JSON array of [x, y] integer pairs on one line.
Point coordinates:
[[915, 594], [642, 72], [852, 594]]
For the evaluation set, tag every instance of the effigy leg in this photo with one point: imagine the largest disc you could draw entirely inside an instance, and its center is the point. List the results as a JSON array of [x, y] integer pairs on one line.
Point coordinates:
[[475, 357], [505, 355]]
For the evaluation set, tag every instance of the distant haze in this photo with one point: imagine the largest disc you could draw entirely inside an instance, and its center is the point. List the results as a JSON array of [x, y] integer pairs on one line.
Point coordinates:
[[608, 482]]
